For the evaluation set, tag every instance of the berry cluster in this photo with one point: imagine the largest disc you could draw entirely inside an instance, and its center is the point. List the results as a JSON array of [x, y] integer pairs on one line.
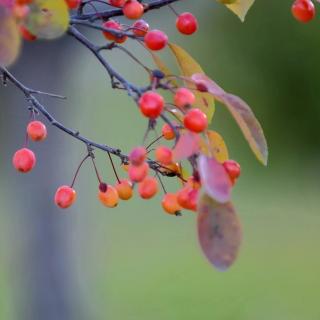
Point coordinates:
[[303, 10]]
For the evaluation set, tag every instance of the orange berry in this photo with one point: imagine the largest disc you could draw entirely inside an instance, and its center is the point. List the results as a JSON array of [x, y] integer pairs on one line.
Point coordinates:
[[193, 183], [124, 188], [148, 188], [36, 131], [168, 132], [65, 196], [24, 160], [110, 198], [125, 167], [164, 155], [138, 155], [138, 173], [170, 203], [188, 198]]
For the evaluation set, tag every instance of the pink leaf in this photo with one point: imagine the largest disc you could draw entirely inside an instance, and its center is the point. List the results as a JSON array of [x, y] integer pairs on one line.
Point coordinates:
[[242, 114], [215, 179], [187, 146], [219, 232]]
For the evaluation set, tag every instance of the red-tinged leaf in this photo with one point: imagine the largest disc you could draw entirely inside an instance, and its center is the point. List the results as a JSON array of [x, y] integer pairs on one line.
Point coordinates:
[[219, 232], [7, 3], [242, 113], [188, 145], [215, 179]]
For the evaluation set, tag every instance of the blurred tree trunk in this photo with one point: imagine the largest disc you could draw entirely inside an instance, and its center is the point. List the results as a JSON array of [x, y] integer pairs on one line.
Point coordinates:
[[43, 280]]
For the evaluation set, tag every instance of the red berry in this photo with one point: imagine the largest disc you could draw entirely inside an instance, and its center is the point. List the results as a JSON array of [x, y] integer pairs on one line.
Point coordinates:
[[36, 131], [151, 104], [73, 4], [164, 155], [137, 156], [133, 9], [155, 40], [140, 28], [168, 132], [195, 120], [170, 203], [65, 196], [26, 34], [148, 188], [24, 160], [138, 173], [114, 25], [233, 169], [187, 198], [184, 97], [117, 3], [303, 10], [187, 23]]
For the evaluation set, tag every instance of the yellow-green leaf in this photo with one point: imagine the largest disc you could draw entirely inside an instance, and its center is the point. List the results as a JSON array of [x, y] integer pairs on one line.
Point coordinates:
[[239, 7], [242, 114], [10, 39], [215, 146], [48, 19], [188, 67]]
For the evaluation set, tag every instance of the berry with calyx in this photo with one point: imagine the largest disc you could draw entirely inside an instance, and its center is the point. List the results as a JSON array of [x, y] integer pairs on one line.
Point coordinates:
[[187, 23], [303, 10], [187, 198], [151, 104], [170, 203], [140, 28], [65, 196], [233, 169], [184, 97], [148, 188], [124, 188], [137, 156], [133, 9], [113, 25], [138, 173], [196, 121], [168, 132], [164, 155], [155, 40], [109, 198], [36, 131], [24, 160]]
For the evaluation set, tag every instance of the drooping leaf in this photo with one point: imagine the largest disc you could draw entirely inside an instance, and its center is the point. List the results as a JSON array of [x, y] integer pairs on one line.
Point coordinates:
[[7, 4], [188, 67], [243, 115], [10, 39], [48, 19], [215, 179], [187, 145], [219, 232], [239, 7], [215, 146]]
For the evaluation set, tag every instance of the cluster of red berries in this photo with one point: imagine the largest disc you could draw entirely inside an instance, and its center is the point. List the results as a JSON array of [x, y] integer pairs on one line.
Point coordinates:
[[303, 10]]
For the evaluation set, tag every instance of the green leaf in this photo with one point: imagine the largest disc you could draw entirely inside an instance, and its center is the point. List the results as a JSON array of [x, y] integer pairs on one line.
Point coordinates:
[[239, 7], [242, 113], [48, 19], [10, 40], [188, 67], [219, 232]]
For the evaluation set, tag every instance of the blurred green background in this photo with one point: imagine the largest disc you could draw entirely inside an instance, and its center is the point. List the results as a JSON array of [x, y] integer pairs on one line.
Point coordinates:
[[134, 262]]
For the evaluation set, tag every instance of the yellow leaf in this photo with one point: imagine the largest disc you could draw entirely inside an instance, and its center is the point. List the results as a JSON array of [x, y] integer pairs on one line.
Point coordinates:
[[10, 39], [240, 7], [188, 67], [48, 19], [215, 146]]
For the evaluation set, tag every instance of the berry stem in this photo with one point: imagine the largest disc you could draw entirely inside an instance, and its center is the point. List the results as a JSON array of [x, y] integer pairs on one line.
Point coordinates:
[[78, 170], [113, 167]]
